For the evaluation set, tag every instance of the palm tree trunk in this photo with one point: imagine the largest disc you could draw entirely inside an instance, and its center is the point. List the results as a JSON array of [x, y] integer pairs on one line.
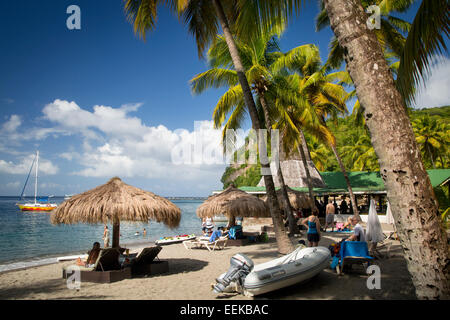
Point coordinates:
[[431, 155], [284, 194], [301, 149], [305, 147], [347, 180], [284, 243], [409, 191]]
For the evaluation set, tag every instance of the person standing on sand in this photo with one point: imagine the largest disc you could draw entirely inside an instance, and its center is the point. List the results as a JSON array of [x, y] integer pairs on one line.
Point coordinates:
[[313, 225], [330, 210], [344, 206], [106, 237], [209, 225]]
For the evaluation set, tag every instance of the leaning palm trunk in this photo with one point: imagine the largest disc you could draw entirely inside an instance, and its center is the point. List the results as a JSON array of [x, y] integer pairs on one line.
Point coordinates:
[[347, 180], [284, 243], [301, 149], [431, 156], [284, 194], [408, 186]]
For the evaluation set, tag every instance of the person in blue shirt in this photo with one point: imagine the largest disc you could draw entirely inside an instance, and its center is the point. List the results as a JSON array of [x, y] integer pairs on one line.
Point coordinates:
[[313, 225], [220, 232]]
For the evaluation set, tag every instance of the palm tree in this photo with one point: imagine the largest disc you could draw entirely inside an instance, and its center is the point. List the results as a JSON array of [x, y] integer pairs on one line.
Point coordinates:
[[408, 186], [327, 100], [319, 153], [361, 154], [389, 35], [203, 19], [258, 54], [433, 138], [425, 40]]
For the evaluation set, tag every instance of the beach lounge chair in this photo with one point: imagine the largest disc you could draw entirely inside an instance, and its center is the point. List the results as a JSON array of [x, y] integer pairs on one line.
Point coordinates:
[[105, 270], [145, 263], [352, 252], [219, 243]]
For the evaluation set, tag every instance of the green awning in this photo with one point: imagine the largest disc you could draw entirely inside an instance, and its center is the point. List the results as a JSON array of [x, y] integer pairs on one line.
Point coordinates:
[[362, 182]]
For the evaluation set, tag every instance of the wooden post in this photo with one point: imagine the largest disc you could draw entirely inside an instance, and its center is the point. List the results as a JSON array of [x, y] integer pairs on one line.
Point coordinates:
[[116, 234]]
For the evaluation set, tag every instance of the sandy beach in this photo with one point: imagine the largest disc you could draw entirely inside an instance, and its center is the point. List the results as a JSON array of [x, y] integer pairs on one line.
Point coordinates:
[[191, 273]]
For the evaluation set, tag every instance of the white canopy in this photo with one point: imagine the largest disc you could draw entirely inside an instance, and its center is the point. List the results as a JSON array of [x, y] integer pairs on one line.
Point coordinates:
[[389, 216], [374, 232]]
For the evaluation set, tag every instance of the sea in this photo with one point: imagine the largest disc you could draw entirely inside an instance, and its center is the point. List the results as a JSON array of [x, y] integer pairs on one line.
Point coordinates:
[[30, 239]]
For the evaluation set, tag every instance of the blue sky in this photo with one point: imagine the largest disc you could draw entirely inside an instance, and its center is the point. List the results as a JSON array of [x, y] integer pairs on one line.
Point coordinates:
[[99, 102]]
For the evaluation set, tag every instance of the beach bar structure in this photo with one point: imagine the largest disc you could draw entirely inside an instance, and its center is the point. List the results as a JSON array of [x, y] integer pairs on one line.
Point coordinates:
[[366, 186]]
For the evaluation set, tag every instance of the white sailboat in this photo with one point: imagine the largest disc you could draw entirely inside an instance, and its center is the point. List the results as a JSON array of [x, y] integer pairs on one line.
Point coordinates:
[[40, 203]]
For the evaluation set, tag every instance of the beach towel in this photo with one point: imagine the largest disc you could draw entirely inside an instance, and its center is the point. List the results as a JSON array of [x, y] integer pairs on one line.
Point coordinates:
[[356, 249], [235, 232], [215, 235], [334, 262]]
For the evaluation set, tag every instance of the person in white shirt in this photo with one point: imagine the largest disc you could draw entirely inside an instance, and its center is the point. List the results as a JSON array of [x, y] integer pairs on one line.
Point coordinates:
[[358, 231]]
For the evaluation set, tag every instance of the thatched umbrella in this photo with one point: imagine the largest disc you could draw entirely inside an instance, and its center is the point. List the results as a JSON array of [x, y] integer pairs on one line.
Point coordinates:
[[113, 202], [297, 199], [232, 203]]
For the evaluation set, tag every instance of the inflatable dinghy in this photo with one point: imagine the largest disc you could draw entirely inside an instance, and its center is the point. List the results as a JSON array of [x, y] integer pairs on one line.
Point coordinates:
[[298, 266]]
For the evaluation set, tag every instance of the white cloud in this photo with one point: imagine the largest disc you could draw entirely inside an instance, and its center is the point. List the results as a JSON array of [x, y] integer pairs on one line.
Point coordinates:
[[13, 185], [116, 143], [8, 100], [435, 92], [12, 124], [24, 164]]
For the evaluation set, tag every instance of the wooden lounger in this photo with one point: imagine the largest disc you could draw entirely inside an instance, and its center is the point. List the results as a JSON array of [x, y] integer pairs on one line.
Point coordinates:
[[105, 270], [145, 263]]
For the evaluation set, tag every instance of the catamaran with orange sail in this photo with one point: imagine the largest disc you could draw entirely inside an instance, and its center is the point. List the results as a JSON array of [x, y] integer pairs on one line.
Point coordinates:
[[40, 203]]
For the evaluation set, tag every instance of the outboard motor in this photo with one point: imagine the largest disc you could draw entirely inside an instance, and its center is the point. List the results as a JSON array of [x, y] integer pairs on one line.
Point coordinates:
[[240, 267]]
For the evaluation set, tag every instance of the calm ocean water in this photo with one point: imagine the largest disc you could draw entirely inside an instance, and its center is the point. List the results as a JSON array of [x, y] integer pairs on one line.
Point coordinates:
[[28, 238]]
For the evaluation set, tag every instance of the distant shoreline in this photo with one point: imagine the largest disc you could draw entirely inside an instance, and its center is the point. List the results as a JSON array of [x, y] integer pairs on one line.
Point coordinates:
[[59, 197]]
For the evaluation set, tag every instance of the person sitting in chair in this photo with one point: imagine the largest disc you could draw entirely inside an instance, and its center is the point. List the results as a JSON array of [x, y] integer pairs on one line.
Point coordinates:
[[220, 232], [92, 256], [348, 224], [358, 231]]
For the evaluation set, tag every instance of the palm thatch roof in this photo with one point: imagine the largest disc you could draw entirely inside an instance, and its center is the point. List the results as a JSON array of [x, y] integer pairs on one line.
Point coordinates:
[[297, 199], [233, 202], [116, 201], [294, 172]]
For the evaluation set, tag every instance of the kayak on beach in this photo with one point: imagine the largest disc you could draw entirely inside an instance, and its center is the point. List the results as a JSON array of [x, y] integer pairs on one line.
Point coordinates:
[[175, 239], [69, 258]]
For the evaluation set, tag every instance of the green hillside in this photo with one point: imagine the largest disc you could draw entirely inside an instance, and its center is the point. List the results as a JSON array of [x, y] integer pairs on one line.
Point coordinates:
[[355, 148]]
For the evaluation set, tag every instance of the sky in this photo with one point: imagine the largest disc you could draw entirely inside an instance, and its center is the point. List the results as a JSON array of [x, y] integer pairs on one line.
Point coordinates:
[[100, 102]]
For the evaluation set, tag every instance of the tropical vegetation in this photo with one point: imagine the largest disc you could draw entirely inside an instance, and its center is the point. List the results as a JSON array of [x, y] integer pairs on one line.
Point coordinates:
[[389, 140]]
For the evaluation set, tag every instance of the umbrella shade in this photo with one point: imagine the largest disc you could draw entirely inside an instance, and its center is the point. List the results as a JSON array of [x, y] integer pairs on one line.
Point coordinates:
[[297, 199], [233, 202], [389, 216], [116, 201], [374, 232]]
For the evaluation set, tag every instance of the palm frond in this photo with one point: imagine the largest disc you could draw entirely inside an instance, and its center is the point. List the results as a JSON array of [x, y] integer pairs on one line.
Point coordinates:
[[142, 14], [213, 78], [229, 100], [425, 40]]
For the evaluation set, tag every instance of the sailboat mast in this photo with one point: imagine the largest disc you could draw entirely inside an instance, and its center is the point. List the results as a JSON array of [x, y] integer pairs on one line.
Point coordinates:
[[36, 180]]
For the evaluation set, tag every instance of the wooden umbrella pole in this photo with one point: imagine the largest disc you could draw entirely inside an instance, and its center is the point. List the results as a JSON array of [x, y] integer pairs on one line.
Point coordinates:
[[116, 234]]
